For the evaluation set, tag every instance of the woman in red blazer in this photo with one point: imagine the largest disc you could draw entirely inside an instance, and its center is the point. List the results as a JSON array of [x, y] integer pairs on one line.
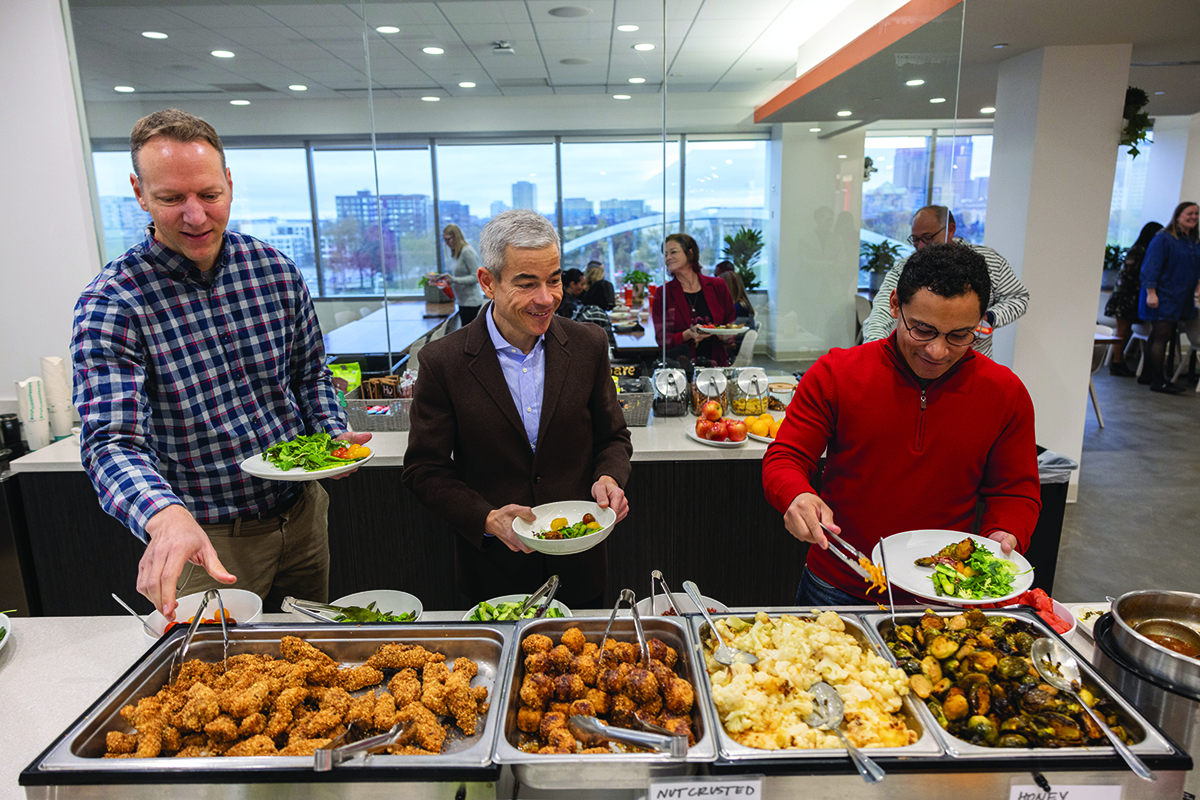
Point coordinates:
[[692, 299]]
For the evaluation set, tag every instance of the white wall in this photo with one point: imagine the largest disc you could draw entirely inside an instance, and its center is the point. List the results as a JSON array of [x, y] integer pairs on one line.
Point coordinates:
[[45, 211], [1164, 175], [1058, 120], [1190, 189]]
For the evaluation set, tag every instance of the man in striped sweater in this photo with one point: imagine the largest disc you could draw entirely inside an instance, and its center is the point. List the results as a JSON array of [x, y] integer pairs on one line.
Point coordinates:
[[935, 225]]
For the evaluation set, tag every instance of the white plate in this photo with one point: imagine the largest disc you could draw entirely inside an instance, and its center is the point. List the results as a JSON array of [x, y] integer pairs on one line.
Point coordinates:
[[725, 331], [388, 601], [573, 510], [1086, 614], [757, 438], [905, 548], [242, 605], [691, 433], [514, 598], [260, 468], [685, 604], [6, 626]]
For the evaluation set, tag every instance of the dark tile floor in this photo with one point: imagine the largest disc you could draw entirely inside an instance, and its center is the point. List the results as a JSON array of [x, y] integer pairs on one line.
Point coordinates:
[[1136, 524]]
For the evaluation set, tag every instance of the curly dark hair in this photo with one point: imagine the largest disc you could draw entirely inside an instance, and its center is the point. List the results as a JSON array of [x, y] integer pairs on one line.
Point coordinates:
[[947, 270]]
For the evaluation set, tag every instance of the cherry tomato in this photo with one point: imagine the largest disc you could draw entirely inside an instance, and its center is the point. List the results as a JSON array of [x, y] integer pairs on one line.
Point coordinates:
[[341, 452]]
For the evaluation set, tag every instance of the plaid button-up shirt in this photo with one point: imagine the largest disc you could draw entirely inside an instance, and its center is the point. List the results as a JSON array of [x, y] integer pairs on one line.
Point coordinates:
[[178, 382]]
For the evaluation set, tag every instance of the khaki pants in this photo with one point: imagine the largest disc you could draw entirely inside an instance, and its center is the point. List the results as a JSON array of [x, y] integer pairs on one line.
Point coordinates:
[[288, 555]]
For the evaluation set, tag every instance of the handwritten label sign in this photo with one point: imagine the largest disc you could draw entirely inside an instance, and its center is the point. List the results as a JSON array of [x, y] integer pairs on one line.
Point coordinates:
[[742, 786], [1063, 792]]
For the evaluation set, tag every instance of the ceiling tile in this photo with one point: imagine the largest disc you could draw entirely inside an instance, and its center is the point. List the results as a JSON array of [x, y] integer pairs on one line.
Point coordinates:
[[227, 16], [485, 11], [316, 15]]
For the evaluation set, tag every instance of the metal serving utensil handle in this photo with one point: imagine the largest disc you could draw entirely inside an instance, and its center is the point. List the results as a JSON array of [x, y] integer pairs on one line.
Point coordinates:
[[694, 593], [868, 769], [544, 606], [306, 607], [550, 585], [594, 731], [1131, 758], [181, 654], [626, 596], [658, 576], [637, 627], [327, 757]]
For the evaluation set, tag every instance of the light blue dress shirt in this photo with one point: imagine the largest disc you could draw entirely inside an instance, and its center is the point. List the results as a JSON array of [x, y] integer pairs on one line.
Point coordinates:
[[525, 375]]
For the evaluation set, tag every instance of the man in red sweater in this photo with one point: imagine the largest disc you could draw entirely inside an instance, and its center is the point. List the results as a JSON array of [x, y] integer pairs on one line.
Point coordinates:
[[917, 428]]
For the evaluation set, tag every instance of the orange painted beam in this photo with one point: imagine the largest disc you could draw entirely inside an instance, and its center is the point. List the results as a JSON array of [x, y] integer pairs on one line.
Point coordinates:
[[885, 33]]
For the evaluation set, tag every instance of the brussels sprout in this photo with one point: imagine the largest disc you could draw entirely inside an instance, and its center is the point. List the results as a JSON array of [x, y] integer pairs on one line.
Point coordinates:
[[938, 713], [942, 686], [910, 666], [1012, 667], [921, 686], [983, 661], [982, 728], [976, 618], [1021, 642], [942, 647], [956, 706], [931, 668], [931, 621], [1064, 728], [980, 696], [1012, 740], [957, 622], [1036, 700], [904, 633]]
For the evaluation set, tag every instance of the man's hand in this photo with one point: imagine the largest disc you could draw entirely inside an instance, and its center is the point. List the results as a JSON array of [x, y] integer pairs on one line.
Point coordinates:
[[499, 524], [353, 438], [1007, 540], [175, 539], [804, 516], [608, 494]]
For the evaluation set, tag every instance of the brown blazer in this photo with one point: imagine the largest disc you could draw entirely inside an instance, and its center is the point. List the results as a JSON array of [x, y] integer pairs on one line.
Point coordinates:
[[468, 453]]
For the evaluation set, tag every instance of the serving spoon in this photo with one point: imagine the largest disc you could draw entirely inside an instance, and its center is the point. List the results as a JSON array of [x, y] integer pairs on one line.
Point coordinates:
[[723, 654], [828, 711], [145, 625], [1059, 668]]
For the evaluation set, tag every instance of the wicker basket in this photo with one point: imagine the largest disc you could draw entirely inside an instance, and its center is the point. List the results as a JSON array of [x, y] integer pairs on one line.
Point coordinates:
[[395, 419], [637, 405]]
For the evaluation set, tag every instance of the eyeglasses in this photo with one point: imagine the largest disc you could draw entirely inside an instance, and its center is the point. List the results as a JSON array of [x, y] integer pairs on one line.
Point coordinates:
[[925, 333], [927, 239]]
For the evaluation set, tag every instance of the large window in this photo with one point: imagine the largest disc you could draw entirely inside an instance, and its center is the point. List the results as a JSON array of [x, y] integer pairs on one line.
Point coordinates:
[[1129, 188], [122, 219], [962, 168], [726, 190], [898, 186]]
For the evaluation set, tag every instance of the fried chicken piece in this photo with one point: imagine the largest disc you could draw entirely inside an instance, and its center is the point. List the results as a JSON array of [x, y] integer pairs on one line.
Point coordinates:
[[628, 652], [554, 751], [581, 708], [662, 673], [590, 649], [172, 740], [201, 708], [585, 667], [536, 643], [529, 720], [562, 738], [281, 675], [222, 729], [244, 702], [362, 711], [574, 640], [195, 671], [561, 656], [385, 712], [679, 695], [303, 747], [569, 687], [608, 657], [641, 685], [334, 705], [680, 725], [282, 715], [621, 711], [297, 650], [119, 743], [550, 721], [319, 673], [595, 750], [427, 732], [433, 687], [538, 662], [252, 725], [394, 656], [662, 651], [191, 751], [598, 699], [254, 746], [118, 755], [355, 678], [651, 707], [558, 707], [611, 681], [466, 666], [460, 700], [405, 686], [536, 689], [409, 750]]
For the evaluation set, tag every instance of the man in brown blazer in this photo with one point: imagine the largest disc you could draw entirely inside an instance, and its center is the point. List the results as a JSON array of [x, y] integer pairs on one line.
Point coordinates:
[[514, 410]]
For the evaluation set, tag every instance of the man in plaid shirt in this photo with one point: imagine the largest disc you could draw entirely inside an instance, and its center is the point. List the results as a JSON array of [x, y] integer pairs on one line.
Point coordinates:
[[193, 351]]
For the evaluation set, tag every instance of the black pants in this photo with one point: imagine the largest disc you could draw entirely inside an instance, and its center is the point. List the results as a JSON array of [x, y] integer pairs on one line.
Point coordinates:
[[467, 313], [1161, 332]]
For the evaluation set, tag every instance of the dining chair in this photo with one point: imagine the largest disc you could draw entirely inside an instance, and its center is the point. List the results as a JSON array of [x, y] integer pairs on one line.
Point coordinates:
[[343, 317], [862, 310], [745, 354], [1190, 329], [1099, 356], [1141, 335], [366, 311]]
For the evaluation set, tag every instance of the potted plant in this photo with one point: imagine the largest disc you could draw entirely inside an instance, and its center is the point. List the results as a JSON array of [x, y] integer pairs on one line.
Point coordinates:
[[1114, 260], [881, 257], [1137, 122], [639, 280], [743, 249]]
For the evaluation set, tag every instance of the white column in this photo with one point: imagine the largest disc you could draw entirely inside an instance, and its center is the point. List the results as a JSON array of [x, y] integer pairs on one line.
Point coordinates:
[[1058, 120], [1164, 175], [816, 200], [1190, 189], [45, 211]]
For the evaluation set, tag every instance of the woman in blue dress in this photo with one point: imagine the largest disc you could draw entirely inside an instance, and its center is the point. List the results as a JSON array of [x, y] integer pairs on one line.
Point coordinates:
[[1170, 273]]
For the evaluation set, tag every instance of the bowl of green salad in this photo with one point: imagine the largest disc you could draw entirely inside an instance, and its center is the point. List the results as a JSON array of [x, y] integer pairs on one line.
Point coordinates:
[[569, 526], [504, 609]]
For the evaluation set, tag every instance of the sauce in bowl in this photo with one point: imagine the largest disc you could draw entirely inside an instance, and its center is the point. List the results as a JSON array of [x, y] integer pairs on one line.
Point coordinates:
[[1173, 644]]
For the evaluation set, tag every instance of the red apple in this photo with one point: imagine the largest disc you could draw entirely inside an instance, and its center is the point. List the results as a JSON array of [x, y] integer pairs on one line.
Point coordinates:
[[736, 429], [711, 410], [703, 426], [718, 433]]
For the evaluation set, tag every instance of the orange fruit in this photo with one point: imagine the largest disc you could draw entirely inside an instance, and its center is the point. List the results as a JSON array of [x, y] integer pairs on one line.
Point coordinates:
[[768, 417], [775, 428], [759, 427]]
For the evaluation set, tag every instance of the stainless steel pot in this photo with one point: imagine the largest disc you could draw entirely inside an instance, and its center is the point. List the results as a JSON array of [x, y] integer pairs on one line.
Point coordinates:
[[1141, 610]]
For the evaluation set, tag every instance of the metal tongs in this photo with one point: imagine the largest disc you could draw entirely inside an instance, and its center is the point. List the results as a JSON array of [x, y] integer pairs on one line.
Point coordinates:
[[627, 596], [591, 732], [310, 608], [340, 749], [547, 591], [847, 553], [180, 656], [656, 577]]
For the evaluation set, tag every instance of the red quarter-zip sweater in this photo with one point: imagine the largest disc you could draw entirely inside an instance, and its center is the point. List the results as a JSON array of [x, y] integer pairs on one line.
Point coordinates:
[[901, 458]]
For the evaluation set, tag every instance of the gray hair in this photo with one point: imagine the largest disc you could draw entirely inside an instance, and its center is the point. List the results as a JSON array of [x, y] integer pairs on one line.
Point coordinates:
[[520, 228], [942, 214]]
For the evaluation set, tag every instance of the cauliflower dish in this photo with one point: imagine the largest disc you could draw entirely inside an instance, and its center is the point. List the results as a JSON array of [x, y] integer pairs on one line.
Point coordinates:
[[764, 705]]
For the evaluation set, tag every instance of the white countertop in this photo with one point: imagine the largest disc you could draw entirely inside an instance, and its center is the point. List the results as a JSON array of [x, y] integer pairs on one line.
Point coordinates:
[[664, 439]]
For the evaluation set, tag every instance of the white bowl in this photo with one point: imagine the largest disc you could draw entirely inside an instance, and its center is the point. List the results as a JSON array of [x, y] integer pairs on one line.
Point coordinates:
[[243, 606], [1061, 611], [514, 598], [1086, 615], [573, 510], [684, 603], [389, 601]]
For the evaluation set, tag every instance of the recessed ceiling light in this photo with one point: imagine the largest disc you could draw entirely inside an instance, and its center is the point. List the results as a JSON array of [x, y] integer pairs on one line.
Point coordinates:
[[643, 47], [123, 89], [840, 156], [1000, 45], [729, 161], [239, 102], [298, 87], [575, 62], [643, 80], [937, 99], [845, 113], [987, 110], [467, 84], [388, 29], [433, 51], [431, 99], [621, 97], [1158, 93], [222, 54], [154, 35], [813, 130], [627, 28], [570, 11], [915, 82]]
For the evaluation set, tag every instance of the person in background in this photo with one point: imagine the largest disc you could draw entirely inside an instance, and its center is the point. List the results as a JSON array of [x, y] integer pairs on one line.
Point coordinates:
[[195, 350], [462, 277], [515, 410], [1123, 304], [918, 422], [599, 292], [1170, 273], [932, 225], [722, 267], [743, 312], [690, 299], [572, 287]]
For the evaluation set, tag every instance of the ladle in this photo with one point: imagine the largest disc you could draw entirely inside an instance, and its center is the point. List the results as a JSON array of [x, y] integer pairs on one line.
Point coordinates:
[[1060, 669], [723, 654], [828, 711]]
